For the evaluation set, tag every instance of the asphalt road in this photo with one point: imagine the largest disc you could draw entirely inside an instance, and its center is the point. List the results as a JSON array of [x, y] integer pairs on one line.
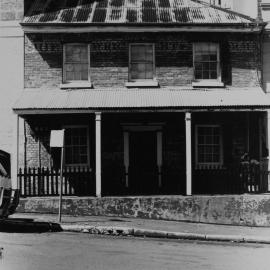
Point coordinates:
[[68, 251]]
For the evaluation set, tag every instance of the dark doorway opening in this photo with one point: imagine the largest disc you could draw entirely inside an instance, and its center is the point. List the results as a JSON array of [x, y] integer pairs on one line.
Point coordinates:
[[143, 174]]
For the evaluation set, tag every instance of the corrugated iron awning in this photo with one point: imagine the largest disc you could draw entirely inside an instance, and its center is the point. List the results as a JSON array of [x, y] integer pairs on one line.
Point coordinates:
[[59, 101], [130, 12]]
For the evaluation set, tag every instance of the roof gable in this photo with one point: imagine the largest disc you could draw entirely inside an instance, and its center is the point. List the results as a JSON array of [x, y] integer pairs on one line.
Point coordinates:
[[130, 12]]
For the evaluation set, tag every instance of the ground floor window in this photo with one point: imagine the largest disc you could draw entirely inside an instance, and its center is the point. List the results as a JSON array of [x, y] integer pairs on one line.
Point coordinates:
[[76, 145], [208, 145]]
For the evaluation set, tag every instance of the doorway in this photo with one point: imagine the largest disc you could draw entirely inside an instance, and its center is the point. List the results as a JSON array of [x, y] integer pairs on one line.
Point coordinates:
[[143, 159], [143, 176]]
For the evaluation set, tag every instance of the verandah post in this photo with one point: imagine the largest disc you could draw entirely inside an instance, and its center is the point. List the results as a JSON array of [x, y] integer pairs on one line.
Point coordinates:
[[188, 154], [15, 153], [98, 154], [268, 146]]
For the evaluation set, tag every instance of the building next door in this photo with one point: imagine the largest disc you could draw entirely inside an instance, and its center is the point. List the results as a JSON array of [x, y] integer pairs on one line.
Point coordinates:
[[143, 159]]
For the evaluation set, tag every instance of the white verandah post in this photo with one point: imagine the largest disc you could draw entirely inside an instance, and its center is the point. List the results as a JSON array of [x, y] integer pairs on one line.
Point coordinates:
[[98, 154], [188, 154], [15, 154]]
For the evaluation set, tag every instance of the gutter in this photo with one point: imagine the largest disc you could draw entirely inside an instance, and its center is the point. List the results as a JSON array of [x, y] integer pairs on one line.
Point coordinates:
[[254, 27]]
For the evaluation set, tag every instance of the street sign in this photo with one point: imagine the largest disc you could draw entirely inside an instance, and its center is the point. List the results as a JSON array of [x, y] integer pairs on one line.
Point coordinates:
[[57, 138]]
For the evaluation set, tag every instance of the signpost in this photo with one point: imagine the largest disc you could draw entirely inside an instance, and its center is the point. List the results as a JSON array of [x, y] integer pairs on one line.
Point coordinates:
[[57, 140]]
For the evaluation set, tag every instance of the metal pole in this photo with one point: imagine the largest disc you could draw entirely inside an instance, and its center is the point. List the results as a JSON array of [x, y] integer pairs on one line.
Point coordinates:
[[188, 155], [61, 184], [98, 154]]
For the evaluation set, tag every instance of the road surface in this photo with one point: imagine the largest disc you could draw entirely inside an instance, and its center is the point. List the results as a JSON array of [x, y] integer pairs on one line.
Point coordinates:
[[75, 251]]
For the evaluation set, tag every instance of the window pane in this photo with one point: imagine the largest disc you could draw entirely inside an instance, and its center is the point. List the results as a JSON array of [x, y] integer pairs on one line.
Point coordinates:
[[208, 144], [149, 71], [76, 62], [76, 150], [198, 74], [70, 76], [208, 139], [213, 57], [137, 53], [149, 53], [213, 75], [141, 71], [205, 61], [206, 74], [141, 62]]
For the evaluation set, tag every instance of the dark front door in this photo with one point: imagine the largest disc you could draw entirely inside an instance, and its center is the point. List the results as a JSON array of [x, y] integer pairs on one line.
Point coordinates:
[[143, 177]]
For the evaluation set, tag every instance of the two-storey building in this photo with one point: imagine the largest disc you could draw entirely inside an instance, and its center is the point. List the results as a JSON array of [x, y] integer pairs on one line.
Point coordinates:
[[155, 96]]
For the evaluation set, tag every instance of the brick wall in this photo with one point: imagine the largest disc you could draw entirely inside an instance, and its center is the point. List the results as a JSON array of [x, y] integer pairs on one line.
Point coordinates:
[[37, 137], [109, 58]]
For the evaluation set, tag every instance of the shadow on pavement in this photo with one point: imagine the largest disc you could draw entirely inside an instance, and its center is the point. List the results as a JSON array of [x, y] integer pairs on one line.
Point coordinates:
[[19, 225]]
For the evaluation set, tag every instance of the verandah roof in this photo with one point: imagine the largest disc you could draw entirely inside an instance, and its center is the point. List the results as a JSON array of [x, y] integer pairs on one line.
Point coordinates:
[[49, 101], [130, 12]]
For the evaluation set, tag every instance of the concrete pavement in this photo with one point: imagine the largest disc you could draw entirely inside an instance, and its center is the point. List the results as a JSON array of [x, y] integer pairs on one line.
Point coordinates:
[[138, 227]]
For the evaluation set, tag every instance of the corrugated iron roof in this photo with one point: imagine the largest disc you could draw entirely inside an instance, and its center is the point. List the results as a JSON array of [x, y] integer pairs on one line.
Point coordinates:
[[130, 11], [92, 99]]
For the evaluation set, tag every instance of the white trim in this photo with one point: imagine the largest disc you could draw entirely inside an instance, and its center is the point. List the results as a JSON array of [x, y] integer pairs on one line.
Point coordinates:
[[29, 111], [88, 146], [141, 127], [210, 165], [78, 85], [207, 83], [75, 83], [142, 82]]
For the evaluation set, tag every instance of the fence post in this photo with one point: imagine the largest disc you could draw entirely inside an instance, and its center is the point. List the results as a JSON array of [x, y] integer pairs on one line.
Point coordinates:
[[38, 180]]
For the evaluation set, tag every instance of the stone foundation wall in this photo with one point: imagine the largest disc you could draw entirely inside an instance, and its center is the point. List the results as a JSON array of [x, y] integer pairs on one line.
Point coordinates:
[[250, 210]]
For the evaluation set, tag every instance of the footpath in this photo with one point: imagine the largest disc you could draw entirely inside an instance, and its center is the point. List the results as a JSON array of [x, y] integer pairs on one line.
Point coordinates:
[[136, 227]]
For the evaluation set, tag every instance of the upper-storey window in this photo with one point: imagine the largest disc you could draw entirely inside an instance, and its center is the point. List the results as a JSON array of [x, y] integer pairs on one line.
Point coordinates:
[[76, 63], [206, 62], [141, 63]]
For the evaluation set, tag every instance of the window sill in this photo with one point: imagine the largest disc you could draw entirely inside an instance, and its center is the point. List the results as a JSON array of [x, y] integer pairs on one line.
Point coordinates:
[[78, 85], [76, 166], [142, 84], [207, 83]]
